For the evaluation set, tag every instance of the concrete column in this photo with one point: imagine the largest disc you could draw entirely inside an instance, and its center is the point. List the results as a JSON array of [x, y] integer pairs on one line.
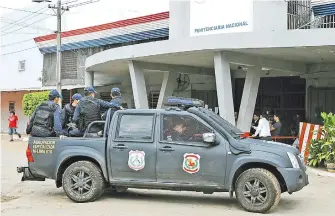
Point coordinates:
[[138, 86], [179, 19], [89, 78], [249, 97], [169, 81], [224, 87]]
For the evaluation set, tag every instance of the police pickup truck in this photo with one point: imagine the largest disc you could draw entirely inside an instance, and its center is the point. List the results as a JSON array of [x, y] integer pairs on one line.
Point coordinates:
[[191, 149]]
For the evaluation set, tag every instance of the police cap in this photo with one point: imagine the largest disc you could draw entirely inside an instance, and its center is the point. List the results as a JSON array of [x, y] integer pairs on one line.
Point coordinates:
[[76, 96], [54, 94], [90, 89]]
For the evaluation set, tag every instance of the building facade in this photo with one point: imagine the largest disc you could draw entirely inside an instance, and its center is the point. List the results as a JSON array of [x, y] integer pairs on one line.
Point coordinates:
[[283, 63]]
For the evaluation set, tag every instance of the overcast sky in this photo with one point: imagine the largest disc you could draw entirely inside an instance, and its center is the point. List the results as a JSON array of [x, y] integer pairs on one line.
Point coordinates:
[[100, 12]]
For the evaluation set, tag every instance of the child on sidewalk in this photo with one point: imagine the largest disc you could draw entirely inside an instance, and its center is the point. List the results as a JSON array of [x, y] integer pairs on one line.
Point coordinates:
[[12, 125]]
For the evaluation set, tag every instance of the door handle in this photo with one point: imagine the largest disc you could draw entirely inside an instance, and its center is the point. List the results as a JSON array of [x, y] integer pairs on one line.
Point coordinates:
[[120, 146], [166, 148]]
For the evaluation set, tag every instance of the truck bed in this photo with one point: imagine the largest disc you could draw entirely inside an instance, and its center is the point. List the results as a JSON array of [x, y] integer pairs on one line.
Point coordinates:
[[49, 152]]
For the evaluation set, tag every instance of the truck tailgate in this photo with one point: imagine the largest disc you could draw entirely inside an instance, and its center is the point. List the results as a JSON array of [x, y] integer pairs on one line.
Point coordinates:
[[45, 154]]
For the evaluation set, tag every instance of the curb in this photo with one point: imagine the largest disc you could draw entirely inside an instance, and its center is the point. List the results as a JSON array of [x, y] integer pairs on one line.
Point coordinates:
[[320, 172]]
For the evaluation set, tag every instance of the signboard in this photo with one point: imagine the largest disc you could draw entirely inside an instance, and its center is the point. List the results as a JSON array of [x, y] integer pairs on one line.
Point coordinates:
[[220, 16]]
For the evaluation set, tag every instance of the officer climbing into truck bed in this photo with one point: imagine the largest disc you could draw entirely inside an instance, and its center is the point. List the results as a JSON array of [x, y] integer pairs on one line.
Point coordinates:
[[88, 110], [46, 119], [116, 98]]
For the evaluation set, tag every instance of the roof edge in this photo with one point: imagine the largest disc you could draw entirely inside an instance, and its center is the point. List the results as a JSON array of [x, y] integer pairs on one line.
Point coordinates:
[[101, 27]]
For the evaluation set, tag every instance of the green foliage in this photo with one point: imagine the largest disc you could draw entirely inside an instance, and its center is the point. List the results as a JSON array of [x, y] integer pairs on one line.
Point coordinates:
[[323, 150], [31, 100]]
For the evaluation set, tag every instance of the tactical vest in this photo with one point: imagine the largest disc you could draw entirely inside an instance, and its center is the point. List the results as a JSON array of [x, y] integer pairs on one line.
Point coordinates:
[[89, 112], [69, 111], [43, 124]]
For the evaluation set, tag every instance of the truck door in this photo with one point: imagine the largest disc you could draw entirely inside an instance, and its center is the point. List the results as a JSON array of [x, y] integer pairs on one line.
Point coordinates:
[[183, 158], [132, 151]]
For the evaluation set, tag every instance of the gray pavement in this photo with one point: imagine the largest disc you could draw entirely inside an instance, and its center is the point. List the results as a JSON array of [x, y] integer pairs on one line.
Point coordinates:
[[43, 198]]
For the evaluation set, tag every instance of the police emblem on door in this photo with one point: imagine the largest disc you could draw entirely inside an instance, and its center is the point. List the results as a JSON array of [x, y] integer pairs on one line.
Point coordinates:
[[191, 163], [136, 160]]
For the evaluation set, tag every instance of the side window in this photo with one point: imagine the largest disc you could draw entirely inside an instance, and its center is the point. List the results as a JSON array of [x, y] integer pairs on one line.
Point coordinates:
[[182, 128], [135, 127]]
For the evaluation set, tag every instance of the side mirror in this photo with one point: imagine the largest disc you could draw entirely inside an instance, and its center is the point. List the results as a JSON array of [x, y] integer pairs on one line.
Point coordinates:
[[209, 138]]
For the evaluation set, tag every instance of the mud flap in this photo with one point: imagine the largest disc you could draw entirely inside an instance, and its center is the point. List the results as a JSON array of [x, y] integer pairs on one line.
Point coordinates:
[[27, 176]]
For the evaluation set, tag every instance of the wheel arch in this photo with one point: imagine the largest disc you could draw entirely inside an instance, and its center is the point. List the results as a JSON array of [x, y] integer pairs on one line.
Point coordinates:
[[249, 165], [72, 159]]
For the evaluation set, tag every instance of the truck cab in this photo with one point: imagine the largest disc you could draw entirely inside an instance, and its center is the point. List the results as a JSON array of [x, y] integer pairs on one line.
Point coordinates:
[[191, 149]]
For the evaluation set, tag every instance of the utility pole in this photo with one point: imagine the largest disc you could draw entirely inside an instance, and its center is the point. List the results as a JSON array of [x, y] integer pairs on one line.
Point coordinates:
[[59, 12], [59, 54]]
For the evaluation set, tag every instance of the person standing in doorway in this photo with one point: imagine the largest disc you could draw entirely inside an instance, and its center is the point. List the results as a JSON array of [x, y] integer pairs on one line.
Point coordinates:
[[276, 127], [263, 128], [13, 119]]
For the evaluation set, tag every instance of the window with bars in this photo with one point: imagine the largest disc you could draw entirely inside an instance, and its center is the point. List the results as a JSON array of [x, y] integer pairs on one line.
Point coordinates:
[[69, 65], [153, 99], [11, 106]]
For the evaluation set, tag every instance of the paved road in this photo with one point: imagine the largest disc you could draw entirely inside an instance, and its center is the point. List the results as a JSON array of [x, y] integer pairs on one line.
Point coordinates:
[[43, 198]]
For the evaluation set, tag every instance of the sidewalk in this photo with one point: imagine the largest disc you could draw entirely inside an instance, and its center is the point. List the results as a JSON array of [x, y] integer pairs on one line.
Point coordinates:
[[320, 172]]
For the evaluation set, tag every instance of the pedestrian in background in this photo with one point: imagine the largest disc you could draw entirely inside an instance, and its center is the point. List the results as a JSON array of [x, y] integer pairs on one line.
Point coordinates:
[[276, 126], [12, 126], [263, 128], [254, 123]]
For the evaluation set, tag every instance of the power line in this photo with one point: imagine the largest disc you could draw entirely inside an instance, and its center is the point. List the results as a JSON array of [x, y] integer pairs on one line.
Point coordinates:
[[32, 27], [31, 33], [27, 24], [6, 33], [17, 42], [16, 9], [18, 22], [18, 51]]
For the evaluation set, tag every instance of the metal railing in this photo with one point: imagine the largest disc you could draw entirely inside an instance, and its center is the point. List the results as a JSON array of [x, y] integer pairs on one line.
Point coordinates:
[[300, 16]]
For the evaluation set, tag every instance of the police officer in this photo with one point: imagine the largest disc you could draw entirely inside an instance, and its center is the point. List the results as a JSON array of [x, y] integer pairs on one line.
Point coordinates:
[[46, 119], [68, 110], [88, 110], [116, 98], [177, 132]]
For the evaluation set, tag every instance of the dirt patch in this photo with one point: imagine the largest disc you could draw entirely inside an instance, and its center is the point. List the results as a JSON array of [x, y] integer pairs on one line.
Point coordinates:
[[5, 198]]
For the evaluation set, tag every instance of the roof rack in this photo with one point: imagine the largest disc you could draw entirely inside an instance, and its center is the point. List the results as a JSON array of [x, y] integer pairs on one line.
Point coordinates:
[[183, 103]]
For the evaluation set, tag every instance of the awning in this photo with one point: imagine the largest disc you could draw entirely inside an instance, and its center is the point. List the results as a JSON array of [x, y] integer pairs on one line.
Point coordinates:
[[323, 8]]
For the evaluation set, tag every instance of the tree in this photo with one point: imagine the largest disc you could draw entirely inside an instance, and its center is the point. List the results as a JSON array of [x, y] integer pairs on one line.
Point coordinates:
[[31, 100]]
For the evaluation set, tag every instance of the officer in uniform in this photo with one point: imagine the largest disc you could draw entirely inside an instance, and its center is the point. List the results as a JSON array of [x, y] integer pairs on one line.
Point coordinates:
[[178, 131], [68, 110], [46, 119], [116, 98], [88, 110]]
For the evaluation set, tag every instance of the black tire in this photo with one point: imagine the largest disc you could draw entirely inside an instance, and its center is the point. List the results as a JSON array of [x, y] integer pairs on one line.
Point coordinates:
[[90, 181], [259, 199]]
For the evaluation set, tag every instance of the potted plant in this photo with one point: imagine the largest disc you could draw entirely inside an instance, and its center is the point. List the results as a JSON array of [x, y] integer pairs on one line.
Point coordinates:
[[322, 151]]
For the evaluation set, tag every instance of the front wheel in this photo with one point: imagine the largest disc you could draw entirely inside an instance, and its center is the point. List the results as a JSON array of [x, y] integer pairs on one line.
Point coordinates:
[[83, 181], [257, 190]]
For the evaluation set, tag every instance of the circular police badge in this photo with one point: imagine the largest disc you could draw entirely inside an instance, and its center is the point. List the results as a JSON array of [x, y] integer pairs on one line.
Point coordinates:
[[191, 163], [136, 160]]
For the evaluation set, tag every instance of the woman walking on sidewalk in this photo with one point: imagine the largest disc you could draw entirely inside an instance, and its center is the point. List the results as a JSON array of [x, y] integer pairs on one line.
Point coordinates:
[[12, 125]]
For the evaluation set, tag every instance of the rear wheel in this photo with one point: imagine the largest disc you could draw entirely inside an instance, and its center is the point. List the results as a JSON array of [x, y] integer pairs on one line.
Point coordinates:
[[83, 181], [257, 190]]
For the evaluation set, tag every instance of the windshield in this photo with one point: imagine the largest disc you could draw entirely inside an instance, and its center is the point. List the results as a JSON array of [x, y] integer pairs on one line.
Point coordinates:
[[231, 129]]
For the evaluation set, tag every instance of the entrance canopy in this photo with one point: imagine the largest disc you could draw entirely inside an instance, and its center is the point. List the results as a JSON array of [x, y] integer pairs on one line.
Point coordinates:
[[287, 51]]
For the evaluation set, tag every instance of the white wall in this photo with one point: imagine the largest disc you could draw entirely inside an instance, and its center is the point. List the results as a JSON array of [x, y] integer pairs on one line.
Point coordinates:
[[16, 38]]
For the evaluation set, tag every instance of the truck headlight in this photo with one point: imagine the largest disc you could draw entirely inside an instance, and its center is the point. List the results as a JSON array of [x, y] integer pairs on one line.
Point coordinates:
[[294, 160]]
